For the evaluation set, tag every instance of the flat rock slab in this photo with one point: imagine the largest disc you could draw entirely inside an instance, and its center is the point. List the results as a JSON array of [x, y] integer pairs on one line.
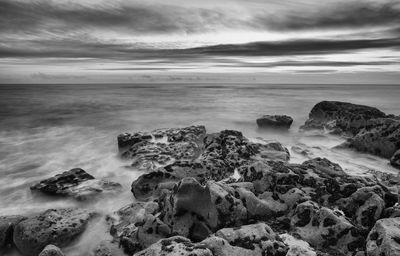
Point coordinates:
[[55, 226], [275, 121], [76, 183]]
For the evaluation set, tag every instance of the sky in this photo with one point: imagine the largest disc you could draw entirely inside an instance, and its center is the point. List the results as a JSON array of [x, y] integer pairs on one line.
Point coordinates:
[[274, 41]]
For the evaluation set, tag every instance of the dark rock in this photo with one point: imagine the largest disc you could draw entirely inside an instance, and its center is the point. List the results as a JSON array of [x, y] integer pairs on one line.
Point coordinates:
[[395, 160], [51, 250], [76, 183], [384, 238], [381, 137], [347, 117], [7, 224], [275, 121], [58, 227]]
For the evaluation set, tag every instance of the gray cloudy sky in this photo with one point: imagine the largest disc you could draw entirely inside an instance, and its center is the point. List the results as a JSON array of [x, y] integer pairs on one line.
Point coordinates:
[[55, 41]]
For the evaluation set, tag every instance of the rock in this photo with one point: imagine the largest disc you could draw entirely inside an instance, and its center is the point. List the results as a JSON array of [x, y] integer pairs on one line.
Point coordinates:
[[161, 147], [347, 117], [175, 246], [270, 151], [384, 238], [297, 247], [395, 160], [381, 137], [7, 225], [220, 247], [51, 250], [324, 167], [256, 237], [325, 228], [108, 248], [76, 183], [55, 226], [275, 121]]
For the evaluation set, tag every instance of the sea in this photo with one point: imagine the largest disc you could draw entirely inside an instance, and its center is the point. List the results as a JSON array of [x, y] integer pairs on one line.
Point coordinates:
[[50, 128]]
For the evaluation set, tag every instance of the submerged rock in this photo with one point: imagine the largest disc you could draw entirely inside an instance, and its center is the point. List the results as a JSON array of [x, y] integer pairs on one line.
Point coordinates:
[[384, 238], [275, 121], [51, 250], [76, 183], [56, 226], [7, 225]]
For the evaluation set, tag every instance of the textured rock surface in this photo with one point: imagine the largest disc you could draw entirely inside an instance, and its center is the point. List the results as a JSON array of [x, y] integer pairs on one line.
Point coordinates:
[[51, 250], [56, 226], [395, 160], [275, 121], [7, 225], [108, 248], [175, 246], [345, 116], [384, 238], [76, 183]]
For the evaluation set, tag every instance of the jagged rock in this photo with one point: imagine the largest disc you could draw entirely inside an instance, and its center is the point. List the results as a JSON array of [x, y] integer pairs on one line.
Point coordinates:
[[347, 117], [108, 248], [76, 183], [325, 228], [55, 226], [381, 137], [384, 238], [51, 250], [275, 121], [175, 246], [162, 147], [7, 225], [255, 237], [395, 160]]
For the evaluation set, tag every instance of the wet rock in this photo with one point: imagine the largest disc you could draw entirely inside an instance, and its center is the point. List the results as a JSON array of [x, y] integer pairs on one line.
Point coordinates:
[[275, 121], [51, 250], [395, 160], [381, 137], [175, 246], [269, 151], [7, 224], [384, 238], [255, 237], [325, 228], [161, 147], [108, 248], [347, 117], [76, 183], [56, 226]]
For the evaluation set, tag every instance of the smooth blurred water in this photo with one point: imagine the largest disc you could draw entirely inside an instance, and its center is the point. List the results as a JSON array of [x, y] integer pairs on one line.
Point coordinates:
[[47, 129]]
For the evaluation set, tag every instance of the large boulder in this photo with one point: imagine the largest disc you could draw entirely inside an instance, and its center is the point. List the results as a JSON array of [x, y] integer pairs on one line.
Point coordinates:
[[384, 238], [76, 183], [275, 121], [55, 226], [7, 224], [345, 116]]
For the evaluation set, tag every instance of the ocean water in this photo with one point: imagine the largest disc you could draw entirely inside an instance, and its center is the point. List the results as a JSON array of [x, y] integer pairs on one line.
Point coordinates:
[[48, 129]]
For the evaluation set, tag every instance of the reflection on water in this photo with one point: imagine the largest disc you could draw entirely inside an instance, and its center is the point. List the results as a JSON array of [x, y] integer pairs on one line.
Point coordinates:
[[47, 129]]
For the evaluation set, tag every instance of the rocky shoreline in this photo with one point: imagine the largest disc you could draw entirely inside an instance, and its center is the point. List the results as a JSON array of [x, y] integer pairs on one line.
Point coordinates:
[[221, 194]]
